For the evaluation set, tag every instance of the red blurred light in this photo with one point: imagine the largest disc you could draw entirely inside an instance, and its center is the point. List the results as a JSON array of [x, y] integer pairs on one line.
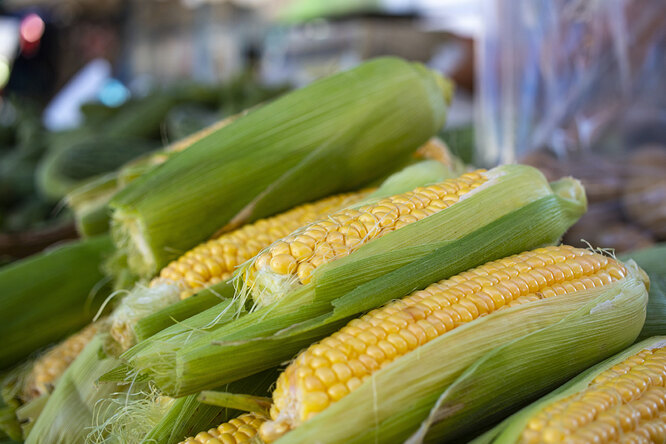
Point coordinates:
[[32, 28]]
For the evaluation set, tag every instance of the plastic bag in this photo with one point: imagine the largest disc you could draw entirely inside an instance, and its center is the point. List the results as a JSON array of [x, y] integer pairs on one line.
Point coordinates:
[[576, 87], [570, 76]]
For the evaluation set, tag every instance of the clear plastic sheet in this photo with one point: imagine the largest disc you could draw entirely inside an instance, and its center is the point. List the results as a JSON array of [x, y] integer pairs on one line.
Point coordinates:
[[579, 87]]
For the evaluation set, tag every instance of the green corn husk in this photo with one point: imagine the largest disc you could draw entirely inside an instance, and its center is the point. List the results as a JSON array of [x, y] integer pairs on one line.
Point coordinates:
[[519, 209], [155, 302], [479, 372], [50, 295], [308, 144], [182, 310], [653, 261], [509, 430], [89, 203]]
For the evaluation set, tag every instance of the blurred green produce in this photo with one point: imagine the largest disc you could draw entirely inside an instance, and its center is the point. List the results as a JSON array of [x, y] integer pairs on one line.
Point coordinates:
[[39, 168]]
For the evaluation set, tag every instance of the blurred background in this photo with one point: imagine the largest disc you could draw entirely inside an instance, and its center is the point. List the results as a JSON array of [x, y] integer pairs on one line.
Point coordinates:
[[572, 87]]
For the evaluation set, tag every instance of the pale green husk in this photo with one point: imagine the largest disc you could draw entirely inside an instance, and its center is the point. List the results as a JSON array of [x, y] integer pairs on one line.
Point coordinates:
[[514, 211], [509, 430], [483, 370], [308, 144]]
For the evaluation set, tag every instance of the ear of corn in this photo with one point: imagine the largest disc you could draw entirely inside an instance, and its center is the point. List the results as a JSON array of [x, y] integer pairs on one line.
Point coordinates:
[[89, 201], [549, 303], [621, 399], [520, 208], [284, 153], [212, 262], [59, 290], [653, 261]]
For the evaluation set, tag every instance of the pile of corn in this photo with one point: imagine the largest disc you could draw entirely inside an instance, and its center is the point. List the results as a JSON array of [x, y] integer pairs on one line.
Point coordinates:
[[321, 269]]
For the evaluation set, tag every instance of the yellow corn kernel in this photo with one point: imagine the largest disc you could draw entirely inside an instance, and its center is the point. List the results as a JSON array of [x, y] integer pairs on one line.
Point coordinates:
[[345, 231], [625, 404], [216, 260], [50, 366], [378, 338], [435, 149], [237, 430]]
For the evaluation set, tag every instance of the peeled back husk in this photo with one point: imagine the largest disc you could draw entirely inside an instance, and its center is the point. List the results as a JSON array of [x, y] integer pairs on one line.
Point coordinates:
[[310, 143], [514, 211], [478, 373]]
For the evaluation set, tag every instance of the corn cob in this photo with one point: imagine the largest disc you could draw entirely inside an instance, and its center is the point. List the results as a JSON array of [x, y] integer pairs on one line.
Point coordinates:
[[520, 207], [49, 367], [237, 430], [338, 365], [294, 259], [622, 399], [284, 153], [214, 261]]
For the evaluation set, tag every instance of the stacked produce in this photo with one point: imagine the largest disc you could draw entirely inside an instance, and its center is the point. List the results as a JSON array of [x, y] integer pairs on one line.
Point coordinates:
[[322, 269]]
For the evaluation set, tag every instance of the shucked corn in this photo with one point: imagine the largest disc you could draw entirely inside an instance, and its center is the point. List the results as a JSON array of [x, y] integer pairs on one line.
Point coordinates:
[[346, 231], [329, 370], [237, 430], [625, 404], [216, 260]]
